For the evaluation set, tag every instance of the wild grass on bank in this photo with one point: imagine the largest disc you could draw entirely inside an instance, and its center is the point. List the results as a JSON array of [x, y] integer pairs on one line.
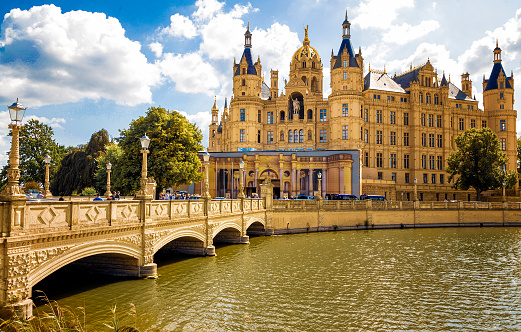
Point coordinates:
[[52, 317]]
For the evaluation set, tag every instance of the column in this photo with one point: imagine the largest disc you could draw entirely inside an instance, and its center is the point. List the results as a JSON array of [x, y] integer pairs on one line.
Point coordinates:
[[341, 180], [324, 181], [298, 181], [293, 182], [281, 178], [310, 182], [348, 180]]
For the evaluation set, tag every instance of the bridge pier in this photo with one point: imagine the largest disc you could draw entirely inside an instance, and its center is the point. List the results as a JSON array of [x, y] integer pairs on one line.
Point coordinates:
[[148, 270]]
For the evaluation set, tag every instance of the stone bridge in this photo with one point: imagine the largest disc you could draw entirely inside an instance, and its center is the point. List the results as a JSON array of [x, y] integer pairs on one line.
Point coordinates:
[[114, 237]]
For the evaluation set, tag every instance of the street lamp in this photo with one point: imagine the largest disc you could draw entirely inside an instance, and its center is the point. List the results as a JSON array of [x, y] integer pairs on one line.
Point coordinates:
[[206, 187], [142, 194], [319, 175], [241, 176], [415, 190], [13, 190], [47, 162], [504, 185], [109, 168]]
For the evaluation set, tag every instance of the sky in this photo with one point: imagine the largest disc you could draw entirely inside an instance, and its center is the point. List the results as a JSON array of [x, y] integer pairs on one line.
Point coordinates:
[[85, 65]]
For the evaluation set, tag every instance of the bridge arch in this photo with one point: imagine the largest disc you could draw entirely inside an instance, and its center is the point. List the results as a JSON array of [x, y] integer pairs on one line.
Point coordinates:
[[254, 220], [189, 246], [83, 251], [229, 224]]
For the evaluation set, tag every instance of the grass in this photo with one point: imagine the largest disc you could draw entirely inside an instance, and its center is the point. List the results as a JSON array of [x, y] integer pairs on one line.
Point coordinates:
[[56, 318]]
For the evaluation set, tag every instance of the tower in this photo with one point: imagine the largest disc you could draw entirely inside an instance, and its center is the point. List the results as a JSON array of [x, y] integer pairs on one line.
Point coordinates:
[[466, 84], [212, 146], [498, 103], [274, 89]]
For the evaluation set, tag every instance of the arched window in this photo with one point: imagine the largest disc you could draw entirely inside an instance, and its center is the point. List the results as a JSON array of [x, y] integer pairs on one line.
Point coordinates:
[[310, 135], [282, 115], [258, 136], [436, 100], [244, 71], [290, 136], [259, 116], [305, 79], [301, 136], [243, 82], [304, 64], [295, 136], [213, 133], [281, 136], [428, 98], [421, 97], [310, 114], [313, 64]]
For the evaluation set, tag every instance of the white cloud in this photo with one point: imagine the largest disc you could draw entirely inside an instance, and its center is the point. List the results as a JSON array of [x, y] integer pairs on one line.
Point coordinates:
[[402, 34], [190, 73], [206, 9], [202, 120], [379, 13], [53, 122], [180, 26], [52, 57], [157, 48]]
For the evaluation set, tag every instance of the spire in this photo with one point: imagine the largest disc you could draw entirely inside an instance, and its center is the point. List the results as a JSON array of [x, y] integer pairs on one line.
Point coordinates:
[[497, 53], [444, 80], [225, 102], [306, 38], [214, 103], [346, 28], [247, 37]]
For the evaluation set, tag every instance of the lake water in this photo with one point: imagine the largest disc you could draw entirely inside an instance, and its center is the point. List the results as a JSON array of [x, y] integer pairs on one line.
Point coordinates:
[[452, 279]]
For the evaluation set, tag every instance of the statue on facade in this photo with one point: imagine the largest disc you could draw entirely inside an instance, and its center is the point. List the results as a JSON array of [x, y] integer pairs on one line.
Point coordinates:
[[296, 106]]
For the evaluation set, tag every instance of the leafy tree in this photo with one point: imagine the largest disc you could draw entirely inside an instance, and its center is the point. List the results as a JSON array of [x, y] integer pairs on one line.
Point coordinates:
[[477, 162], [174, 146], [89, 191], [77, 168], [113, 154], [35, 143]]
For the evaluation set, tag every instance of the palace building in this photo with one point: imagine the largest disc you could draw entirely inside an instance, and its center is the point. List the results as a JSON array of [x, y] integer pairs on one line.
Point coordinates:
[[373, 134]]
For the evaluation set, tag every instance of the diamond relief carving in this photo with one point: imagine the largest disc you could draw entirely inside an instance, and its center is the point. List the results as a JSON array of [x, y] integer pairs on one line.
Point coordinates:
[[47, 216]]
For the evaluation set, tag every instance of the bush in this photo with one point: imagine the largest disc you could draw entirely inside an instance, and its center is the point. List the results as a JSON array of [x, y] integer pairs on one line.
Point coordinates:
[[89, 191]]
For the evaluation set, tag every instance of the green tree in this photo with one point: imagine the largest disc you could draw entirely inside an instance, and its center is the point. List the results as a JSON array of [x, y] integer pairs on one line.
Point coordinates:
[[77, 168], [36, 141], [477, 162], [113, 154], [174, 146]]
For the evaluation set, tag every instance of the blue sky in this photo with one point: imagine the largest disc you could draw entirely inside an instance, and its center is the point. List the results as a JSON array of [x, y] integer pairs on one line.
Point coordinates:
[[84, 65]]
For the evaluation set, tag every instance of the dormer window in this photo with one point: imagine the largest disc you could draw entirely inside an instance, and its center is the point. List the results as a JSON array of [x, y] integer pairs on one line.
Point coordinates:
[[501, 85], [244, 71], [345, 63]]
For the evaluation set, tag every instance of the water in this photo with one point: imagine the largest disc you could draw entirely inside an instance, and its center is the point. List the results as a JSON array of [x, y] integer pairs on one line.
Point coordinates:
[[454, 279]]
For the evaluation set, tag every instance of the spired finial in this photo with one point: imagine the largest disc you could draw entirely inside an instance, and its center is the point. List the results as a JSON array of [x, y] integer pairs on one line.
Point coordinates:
[[346, 14], [497, 43], [248, 26], [369, 66], [306, 38], [385, 72]]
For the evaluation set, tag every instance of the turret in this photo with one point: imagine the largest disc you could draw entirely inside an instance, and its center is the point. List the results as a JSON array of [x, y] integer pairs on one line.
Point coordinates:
[[274, 89], [247, 75], [466, 84]]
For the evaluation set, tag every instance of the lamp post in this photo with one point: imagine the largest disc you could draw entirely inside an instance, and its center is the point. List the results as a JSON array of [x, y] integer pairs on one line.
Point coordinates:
[[415, 190], [319, 175], [47, 162], [504, 197], [142, 194], [109, 168], [241, 176], [206, 186], [13, 190]]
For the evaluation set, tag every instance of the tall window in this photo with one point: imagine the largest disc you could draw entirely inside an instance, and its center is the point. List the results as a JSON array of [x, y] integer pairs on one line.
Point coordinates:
[[367, 159], [424, 181], [344, 110], [431, 140], [378, 137], [345, 76], [431, 120], [405, 139], [439, 139], [290, 136], [424, 139], [405, 161], [282, 116], [438, 121], [439, 163], [461, 124], [407, 176], [502, 125], [241, 135], [281, 136], [393, 160], [301, 136], [259, 116], [423, 119], [270, 117], [345, 63], [378, 116], [366, 115], [483, 123], [472, 123], [433, 178], [405, 119], [379, 160], [393, 138], [424, 161], [503, 142], [243, 114], [296, 138], [366, 136], [270, 137], [323, 115], [258, 136], [431, 162], [441, 179], [392, 117], [344, 132], [323, 136]]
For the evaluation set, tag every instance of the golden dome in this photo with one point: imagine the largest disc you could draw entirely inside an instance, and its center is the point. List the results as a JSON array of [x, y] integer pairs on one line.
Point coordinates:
[[306, 51]]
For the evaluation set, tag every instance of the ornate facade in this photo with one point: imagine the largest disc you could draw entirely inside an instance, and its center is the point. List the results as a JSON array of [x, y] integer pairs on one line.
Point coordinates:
[[400, 128]]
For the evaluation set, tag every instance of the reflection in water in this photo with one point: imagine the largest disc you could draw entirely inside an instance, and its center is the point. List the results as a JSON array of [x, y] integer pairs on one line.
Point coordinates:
[[413, 279]]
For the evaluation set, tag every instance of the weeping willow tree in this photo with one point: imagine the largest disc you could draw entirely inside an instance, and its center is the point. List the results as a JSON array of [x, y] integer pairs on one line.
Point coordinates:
[[78, 167]]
